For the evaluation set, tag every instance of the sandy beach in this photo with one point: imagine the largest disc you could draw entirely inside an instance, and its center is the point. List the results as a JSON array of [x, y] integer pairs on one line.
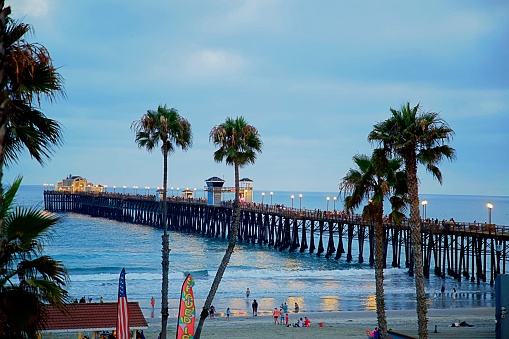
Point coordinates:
[[344, 325]]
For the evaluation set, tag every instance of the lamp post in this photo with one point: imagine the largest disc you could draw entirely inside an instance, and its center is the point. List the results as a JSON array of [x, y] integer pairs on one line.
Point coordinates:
[[123, 189], [424, 204], [172, 191], [114, 189], [292, 200], [300, 201], [135, 190], [490, 207], [194, 194], [263, 196], [45, 186], [328, 198], [105, 188], [271, 194], [178, 189], [335, 198]]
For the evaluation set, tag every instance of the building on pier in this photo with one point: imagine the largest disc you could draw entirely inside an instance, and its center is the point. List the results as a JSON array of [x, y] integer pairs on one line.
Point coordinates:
[[215, 190], [76, 183]]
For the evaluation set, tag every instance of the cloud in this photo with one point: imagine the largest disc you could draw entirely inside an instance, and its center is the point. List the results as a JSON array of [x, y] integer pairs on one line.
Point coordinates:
[[34, 8], [201, 64], [250, 15]]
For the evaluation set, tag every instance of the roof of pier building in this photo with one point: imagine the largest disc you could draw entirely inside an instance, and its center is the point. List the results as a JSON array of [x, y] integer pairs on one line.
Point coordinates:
[[91, 317]]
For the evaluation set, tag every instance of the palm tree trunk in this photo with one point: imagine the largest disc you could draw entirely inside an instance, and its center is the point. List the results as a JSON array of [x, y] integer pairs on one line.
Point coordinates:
[[379, 272], [165, 249], [415, 218], [232, 238]]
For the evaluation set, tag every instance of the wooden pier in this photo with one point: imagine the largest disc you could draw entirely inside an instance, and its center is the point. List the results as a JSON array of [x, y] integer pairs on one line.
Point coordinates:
[[475, 252]]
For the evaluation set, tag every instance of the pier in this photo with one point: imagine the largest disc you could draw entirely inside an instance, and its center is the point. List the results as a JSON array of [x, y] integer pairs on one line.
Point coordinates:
[[471, 251]]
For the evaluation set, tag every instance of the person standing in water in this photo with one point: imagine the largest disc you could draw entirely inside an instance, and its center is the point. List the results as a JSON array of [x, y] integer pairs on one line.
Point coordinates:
[[248, 292]]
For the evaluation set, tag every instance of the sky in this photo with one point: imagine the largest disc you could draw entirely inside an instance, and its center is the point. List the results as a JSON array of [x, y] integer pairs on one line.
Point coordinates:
[[312, 76]]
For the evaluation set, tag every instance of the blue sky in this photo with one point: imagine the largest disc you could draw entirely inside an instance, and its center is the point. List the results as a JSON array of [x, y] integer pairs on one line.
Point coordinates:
[[312, 76]]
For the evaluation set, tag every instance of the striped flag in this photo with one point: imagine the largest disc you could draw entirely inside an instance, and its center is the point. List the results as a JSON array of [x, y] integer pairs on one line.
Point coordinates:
[[123, 311]]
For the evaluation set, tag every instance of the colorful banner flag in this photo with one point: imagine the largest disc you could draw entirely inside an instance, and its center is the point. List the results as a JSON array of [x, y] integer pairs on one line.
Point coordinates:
[[122, 310], [187, 310]]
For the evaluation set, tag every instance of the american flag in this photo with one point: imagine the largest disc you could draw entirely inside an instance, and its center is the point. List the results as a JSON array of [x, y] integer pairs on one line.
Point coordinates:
[[123, 311]]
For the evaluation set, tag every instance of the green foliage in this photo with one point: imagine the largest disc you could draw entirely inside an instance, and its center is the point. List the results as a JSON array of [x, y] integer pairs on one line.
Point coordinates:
[[28, 279]]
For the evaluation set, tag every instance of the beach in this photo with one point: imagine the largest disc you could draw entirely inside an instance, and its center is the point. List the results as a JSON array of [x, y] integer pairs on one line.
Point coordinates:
[[352, 324]]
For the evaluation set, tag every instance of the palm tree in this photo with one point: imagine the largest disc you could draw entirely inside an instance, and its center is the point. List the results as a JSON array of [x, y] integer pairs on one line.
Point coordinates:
[[238, 144], [31, 76], [27, 75], [375, 178], [28, 279], [417, 137], [166, 126]]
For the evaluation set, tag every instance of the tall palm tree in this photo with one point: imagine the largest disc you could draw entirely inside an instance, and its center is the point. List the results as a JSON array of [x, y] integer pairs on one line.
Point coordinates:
[[417, 137], [27, 75], [375, 178], [28, 279], [238, 144], [166, 126]]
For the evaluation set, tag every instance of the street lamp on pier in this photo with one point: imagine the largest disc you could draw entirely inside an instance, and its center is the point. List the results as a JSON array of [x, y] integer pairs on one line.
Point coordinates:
[[300, 202], [335, 198], [263, 196], [292, 200], [105, 188], [114, 189], [490, 207], [328, 198], [424, 204], [271, 194], [172, 191], [178, 189], [123, 189], [135, 190]]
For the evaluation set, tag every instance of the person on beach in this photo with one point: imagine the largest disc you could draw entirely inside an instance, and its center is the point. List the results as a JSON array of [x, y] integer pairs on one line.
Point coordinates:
[[228, 313], [281, 317], [152, 302], [454, 292], [286, 320], [443, 290], [307, 322], [275, 314], [212, 310], [285, 308], [300, 323], [296, 308], [248, 292], [255, 307]]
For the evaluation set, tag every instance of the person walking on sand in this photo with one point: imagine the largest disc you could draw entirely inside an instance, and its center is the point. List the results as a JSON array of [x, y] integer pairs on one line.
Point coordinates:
[[228, 313], [152, 302], [255, 307], [248, 292], [275, 314]]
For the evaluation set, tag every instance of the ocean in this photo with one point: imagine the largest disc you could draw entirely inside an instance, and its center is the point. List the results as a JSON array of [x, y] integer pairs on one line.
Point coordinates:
[[95, 250]]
